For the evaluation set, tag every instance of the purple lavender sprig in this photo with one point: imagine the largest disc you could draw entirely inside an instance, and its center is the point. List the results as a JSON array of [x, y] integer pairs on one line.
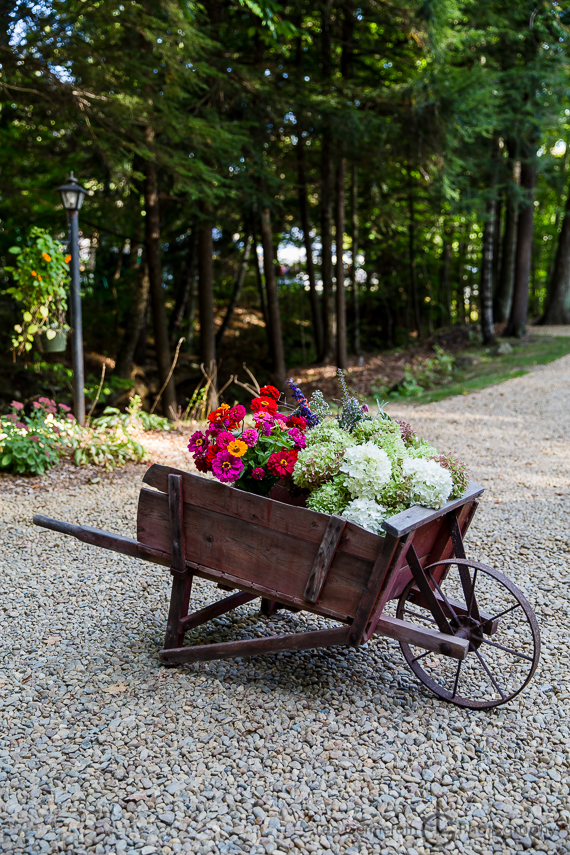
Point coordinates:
[[303, 409]]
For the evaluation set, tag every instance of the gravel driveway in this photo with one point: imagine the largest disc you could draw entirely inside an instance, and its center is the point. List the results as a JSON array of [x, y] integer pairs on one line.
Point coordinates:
[[342, 751]]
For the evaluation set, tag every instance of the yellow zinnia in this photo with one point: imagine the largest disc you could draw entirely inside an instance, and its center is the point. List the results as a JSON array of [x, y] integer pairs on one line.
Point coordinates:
[[237, 447]]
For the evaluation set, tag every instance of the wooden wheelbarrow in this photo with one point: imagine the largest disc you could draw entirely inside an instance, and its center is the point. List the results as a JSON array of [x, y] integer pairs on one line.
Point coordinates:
[[465, 630]]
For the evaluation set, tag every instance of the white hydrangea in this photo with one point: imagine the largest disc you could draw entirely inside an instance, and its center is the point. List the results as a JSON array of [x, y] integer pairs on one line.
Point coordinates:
[[367, 513], [368, 470], [430, 483]]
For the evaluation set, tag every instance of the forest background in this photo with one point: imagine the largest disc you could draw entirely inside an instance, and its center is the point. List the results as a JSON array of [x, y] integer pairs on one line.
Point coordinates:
[[287, 183]]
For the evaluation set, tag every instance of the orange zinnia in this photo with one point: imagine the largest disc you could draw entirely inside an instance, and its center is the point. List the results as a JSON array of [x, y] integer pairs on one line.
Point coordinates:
[[237, 448], [67, 259], [46, 257], [34, 273]]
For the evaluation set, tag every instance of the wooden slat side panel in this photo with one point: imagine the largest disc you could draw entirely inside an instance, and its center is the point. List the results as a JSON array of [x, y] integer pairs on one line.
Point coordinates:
[[298, 523], [417, 516], [254, 553]]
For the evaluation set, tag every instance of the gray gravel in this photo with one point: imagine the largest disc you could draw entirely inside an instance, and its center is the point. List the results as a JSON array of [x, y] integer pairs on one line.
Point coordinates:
[[342, 751]]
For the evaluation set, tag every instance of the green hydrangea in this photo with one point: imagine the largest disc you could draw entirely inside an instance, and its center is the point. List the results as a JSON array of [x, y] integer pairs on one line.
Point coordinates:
[[422, 450], [395, 496], [459, 472], [331, 498], [317, 464], [329, 432], [383, 433]]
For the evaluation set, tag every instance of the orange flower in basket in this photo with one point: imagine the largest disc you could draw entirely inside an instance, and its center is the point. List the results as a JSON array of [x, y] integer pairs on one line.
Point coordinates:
[[237, 448], [267, 405]]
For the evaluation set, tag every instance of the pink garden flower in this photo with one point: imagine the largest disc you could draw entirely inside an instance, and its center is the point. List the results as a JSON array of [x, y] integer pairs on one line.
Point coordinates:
[[16, 405], [258, 473], [250, 437], [224, 438], [198, 443], [297, 437], [226, 467]]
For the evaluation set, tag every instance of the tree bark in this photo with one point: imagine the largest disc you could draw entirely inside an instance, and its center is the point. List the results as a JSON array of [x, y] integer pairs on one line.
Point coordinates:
[[354, 251], [327, 192], [305, 225], [557, 310], [341, 355], [179, 313], [525, 226], [136, 318], [504, 289], [152, 246], [238, 285], [412, 253], [277, 352], [326, 249], [486, 286], [444, 276], [206, 303], [261, 291]]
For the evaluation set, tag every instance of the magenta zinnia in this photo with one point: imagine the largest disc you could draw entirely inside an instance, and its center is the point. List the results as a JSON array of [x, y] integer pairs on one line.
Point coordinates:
[[198, 443], [226, 467]]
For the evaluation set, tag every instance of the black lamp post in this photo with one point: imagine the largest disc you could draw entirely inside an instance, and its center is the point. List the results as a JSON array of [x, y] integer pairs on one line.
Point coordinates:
[[72, 197]]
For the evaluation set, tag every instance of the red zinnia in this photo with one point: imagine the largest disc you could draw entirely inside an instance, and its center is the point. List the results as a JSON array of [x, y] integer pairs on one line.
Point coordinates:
[[270, 392], [297, 421], [212, 451], [282, 463], [266, 405]]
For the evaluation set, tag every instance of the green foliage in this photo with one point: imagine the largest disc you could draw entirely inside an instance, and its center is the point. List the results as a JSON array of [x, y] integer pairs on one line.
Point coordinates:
[[30, 444], [424, 374], [41, 275], [134, 417]]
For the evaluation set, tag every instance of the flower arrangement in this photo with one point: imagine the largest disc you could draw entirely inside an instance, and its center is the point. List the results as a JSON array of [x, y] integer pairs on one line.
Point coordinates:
[[361, 465], [253, 456]]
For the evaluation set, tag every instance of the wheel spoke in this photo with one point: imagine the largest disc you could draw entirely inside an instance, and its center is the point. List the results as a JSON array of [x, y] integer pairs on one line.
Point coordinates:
[[508, 650], [492, 679], [421, 656], [442, 595], [472, 602], [505, 612], [459, 664]]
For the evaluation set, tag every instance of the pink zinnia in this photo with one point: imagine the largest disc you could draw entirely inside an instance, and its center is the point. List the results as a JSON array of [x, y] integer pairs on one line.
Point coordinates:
[[237, 414], [258, 473], [224, 438], [297, 437], [250, 437], [226, 467], [198, 443]]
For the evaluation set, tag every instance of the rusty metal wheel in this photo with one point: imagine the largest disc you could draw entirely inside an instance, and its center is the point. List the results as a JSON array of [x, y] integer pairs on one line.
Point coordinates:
[[484, 607]]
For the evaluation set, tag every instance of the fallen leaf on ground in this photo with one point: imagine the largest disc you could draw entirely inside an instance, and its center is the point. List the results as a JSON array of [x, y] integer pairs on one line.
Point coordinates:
[[116, 690]]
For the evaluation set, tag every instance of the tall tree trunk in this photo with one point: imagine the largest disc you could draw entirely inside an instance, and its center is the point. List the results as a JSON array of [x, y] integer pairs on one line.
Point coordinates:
[[277, 352], [412, 253], [557, 309], [327, 192], [486, 287], [444, 273], [152, 245], [326, 249], [504, 290], [137, 312], [354, 251], [206, 303], [180, 311], [260, 288], [238, 285], [305, 225], [341, 355], [519, 308]]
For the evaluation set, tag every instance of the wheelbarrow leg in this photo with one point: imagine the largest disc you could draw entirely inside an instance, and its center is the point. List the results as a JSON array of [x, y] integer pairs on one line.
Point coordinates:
[[269, 607]]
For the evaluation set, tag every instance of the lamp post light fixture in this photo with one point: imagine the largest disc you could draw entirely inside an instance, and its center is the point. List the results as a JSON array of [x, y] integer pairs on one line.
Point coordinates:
[[72, 197]]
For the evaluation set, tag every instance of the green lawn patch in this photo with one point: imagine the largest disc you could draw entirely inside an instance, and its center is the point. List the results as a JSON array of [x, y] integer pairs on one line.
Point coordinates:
[[477, 367]]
